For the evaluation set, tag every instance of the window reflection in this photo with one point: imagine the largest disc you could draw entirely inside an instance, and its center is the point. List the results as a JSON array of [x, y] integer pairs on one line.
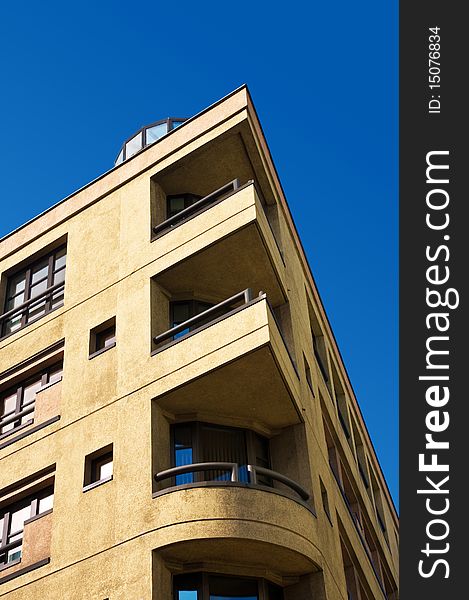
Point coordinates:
[[133, 145], [146, 136], [12, 522], [30, 283], [21, 399], [154, 133], [204, 586]]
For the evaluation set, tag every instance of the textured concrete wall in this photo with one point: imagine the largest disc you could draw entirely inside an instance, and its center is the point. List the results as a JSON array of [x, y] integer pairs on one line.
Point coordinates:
[[116, 541]]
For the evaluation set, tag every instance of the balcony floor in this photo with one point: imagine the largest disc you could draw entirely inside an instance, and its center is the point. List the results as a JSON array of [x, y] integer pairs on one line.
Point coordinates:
[[250, 390]]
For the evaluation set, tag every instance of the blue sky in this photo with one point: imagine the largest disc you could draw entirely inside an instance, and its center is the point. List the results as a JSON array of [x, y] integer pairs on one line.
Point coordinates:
[[78, 78]]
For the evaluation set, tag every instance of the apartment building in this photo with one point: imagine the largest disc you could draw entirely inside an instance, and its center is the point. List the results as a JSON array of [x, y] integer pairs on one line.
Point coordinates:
[[176, 422]]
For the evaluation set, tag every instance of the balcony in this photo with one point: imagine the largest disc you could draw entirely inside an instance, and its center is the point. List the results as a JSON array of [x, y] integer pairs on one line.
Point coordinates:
[[214, 528], [234, 365], [32, 310], [36, 405], [234, 471], [26, 519], [229, 225], [193, 206], [33, 547]]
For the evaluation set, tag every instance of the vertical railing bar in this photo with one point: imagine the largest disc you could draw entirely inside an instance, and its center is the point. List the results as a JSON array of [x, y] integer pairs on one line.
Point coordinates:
[[252, 474]]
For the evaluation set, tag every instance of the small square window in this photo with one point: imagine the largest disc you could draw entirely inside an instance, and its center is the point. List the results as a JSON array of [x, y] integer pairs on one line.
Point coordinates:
[[98, 467], [103, 337], [101, 468]]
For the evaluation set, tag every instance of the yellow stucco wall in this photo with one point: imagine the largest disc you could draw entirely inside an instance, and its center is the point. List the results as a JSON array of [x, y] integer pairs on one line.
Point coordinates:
[[110, 541]]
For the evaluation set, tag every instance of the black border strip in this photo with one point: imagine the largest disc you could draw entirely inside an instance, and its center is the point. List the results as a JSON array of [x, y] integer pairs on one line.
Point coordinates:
[[29, 432], [24, 570]]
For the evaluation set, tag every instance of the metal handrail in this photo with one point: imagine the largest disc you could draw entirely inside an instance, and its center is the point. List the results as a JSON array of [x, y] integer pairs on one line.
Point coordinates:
[[181, 215], [245, 295], [206, 466], [22, 307], [11, 545], [253, 471], [16, 416]]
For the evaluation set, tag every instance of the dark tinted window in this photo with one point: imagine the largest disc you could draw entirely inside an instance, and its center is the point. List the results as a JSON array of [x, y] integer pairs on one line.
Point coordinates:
[[34, 281]]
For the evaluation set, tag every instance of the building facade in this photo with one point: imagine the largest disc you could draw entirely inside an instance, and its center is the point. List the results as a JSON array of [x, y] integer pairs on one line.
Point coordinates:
[[176, 422]]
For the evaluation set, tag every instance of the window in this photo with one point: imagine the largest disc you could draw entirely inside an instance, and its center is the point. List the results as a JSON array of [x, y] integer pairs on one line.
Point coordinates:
[[18, 402], [309, 380], [34, 291], [203, 442], [203, 586], [319, 344], [146, 136], [182, 311], [325, 501], [103, 337], [320, 354], [98, 467], [12, 522], [342, 412], [178, 202]]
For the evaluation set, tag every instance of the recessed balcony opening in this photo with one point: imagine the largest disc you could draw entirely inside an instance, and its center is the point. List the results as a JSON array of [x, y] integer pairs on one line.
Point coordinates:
[[205, 178], [33, 289], [247, 569], [26, 522], [227, 275], [210, 453], [207, 586], [31, 398], [251, 389]]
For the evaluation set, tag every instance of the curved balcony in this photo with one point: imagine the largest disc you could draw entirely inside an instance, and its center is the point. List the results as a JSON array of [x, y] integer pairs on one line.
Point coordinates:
[[234, 471], [230, 525]]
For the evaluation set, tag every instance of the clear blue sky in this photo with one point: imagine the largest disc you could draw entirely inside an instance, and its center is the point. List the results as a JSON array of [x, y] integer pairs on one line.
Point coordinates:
[[78, 78]]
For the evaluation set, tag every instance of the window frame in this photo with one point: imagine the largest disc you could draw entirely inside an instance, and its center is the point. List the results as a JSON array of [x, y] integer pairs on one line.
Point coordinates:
[[189, 200], [93, 462], [198, 449], [33, 501], [44, 375], [47, 296], [97, 463], [202, 586], [192, 304], [103, 336], [97, 335]]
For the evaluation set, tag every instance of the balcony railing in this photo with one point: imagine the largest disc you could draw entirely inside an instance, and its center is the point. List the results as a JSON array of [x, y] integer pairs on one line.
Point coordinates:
[[10, 546], [18, 311], [234, 468], [220, 309], [16, 416], [197, 207], [359, 529]]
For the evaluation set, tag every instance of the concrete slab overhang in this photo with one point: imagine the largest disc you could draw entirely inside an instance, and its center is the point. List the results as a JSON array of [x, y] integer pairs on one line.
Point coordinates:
[[262, 534], [237, 369], [232, 237]]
